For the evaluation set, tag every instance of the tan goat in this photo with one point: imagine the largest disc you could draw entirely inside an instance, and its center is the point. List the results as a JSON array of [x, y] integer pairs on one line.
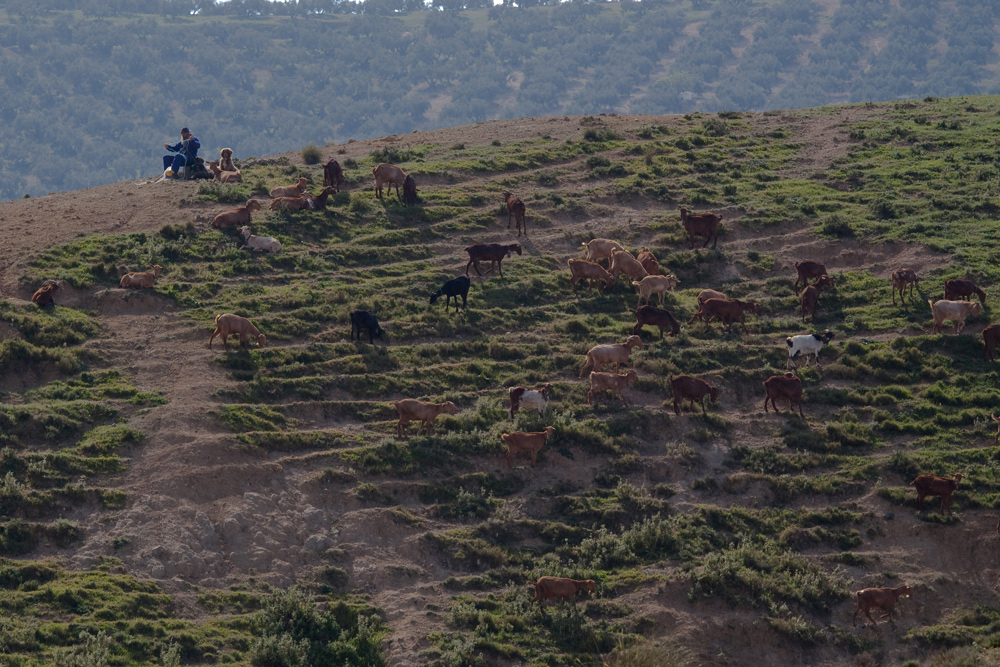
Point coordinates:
[[883, 598], [224, 176], [617, 354], [622, 261], [236, 217], [561, 588], [388, 176], [651, 285], [228, 324], [612, 382], [598, 249], [290, 190], [953, 310], [519, 441], [900, 279], [581, 269], [412, 410], [141, 279]]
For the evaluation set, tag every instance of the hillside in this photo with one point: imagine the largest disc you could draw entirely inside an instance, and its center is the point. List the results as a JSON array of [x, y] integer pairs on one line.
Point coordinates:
[[93, 90], [157, 495]]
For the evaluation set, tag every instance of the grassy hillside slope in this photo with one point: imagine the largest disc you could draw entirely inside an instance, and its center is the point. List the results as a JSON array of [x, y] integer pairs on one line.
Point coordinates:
[[195, 483]]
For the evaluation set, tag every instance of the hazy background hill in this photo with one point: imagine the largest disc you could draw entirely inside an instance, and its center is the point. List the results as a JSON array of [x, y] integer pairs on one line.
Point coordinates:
[[92, 89]]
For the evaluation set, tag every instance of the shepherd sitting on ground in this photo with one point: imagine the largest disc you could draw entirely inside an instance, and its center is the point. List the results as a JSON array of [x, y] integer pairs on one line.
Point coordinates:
[[184, 153]]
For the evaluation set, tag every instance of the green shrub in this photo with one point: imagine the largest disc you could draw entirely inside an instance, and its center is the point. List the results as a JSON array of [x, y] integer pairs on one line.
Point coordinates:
[[312, 154]]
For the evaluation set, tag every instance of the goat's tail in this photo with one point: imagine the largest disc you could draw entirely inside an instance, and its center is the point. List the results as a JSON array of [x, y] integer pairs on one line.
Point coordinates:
[[637, 283]]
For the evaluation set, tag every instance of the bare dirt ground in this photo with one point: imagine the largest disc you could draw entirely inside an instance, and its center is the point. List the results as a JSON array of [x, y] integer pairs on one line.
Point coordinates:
[[204, 513]]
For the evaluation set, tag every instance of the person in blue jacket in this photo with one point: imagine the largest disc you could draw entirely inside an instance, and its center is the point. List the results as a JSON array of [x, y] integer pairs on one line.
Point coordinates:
[[184, 152]]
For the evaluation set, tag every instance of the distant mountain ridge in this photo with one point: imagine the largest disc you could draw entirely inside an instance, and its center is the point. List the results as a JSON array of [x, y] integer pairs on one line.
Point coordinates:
[[92, 90]]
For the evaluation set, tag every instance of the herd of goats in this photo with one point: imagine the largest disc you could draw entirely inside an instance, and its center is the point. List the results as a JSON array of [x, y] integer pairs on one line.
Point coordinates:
[[643, 271]]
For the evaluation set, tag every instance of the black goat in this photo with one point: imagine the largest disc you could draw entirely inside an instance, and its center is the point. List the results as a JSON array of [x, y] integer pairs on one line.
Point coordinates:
[[453, 288], [409, 191], [363, 319]]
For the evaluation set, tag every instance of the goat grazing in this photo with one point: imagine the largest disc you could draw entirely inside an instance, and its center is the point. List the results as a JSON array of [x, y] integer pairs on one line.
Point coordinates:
[[953, 310], [612, 382], [490, 252], [657, 317], [409, 191], [651, 285], [991, 337], [622, 261], [882, 598], [581, 269], [807, 270], [140, 279], [296, 190], [616, 354], [810, 296], [530, 399], [519, 441], [333, 175], [704, 296], [516, 211], [957, 288], [362, 319], [412, 410], [729, 311], [259, 243], [930, 485], [783, 386], [648, 262], [237, 216], [598, 249], [456, 287], [228, 324], [806, 344], [900, 279], [561, 588], [389, 176], [43, 296], [687, 388], [701, 224]]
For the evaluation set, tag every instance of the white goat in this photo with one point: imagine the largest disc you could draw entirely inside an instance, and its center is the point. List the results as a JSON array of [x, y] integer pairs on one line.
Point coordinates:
[[259, 243], [953, 310], [806, 344]]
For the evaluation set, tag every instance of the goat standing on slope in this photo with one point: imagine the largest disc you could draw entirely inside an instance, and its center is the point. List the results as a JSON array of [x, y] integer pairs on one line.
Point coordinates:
[[455, 287]]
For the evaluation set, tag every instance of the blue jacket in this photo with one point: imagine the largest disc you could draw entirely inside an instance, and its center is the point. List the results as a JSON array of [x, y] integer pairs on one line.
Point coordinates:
[[192, 148]]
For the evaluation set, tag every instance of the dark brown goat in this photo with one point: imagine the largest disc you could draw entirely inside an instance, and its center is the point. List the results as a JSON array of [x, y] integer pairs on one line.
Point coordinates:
[[657, 317], [318, 202], [810, 296], [490, 252], [783, 386], [687, 388], [806, 270], [883, 598], [958, 288], [729, 311], [333, 175], [991, 338], [701, 224], [648, 262], [515, 210], [409, 191], [930, 485], [43, 297]]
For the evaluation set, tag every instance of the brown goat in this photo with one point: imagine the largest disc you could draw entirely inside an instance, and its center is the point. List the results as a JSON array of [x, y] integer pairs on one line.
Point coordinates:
[[494, 253], [140, 279], [236, 217], [43, 296], [900, 279], [810, 296], [622, 261], [333, 175], [729, 311], [991, 338], [701, 224], [704, 296], [290, 190], [687, 388], [318, 202], [410, 409], [930, 485], [648, 262], [519, 441], [224, 176], [581, 269], [657, 317], [613, 382], [289, 203], [515, 210], [227, 324], [958, 288], [388, 175], [883, 598], [560, 587], [783, 386], [808, 269]]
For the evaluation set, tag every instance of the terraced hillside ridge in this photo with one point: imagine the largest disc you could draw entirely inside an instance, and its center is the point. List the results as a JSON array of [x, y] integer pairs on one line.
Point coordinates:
[[164, 503]]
